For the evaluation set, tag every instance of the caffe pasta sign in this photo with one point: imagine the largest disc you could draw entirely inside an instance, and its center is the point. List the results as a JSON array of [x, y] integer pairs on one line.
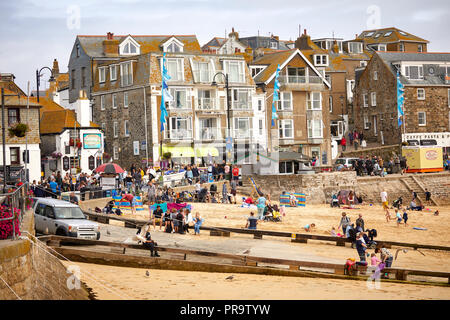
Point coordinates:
[[92, 141]]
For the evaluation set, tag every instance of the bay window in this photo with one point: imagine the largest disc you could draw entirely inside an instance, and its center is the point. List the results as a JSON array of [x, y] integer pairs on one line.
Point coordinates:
[[242, 127], [180, 128]]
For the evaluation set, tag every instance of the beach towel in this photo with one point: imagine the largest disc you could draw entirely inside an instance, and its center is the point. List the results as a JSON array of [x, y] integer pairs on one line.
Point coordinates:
[[416, 228], [248, 206], [125, 206], [170, 206], [301, 199], [347, 207]]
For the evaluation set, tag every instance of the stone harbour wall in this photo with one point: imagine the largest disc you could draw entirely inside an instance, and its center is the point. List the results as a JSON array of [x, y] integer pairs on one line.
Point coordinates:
[[32, 273], [320, 187]]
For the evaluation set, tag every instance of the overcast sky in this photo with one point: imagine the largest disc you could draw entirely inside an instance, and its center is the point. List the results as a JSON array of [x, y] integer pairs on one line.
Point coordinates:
[[34, 32]]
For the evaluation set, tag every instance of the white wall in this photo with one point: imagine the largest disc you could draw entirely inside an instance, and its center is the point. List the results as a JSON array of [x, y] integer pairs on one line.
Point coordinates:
[[34, 166]]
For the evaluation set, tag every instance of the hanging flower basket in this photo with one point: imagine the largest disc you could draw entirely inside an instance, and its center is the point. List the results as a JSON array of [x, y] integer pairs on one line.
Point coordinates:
[[79, 145], [57, 155], [18, 130]]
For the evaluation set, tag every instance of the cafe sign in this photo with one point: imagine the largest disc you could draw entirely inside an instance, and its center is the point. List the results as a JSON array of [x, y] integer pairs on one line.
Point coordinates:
[[92, 140]]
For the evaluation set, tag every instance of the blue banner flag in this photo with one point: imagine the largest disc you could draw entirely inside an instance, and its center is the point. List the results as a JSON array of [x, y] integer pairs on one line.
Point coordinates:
[[276, 88], [165, 94], [400, 100]]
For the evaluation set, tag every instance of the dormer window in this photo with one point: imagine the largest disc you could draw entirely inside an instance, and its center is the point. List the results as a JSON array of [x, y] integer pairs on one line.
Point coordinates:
[[129, 47], [382, 47], [173, 45], [273, 45], [355, 47], [321, 60], [414, 72]]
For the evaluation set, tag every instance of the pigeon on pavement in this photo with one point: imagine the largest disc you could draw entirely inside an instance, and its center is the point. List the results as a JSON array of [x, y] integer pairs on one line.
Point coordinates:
[[107, 232], [176, 244], [246, 251], [229, 278], [147, 273]]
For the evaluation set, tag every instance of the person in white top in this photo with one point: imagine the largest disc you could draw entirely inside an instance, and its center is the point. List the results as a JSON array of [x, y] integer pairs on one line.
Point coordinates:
[[385, 203]]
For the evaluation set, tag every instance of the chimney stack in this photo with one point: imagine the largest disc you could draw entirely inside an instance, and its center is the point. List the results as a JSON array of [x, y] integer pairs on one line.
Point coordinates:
[[304, 32], [109, 36], [55, 68]]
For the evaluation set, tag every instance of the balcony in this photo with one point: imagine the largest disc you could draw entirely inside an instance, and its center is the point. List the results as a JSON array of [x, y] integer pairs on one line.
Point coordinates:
[[183, 105], [241, 105], [241, 133], [210, 133], [303, 83], [206, 104], [178, 134]]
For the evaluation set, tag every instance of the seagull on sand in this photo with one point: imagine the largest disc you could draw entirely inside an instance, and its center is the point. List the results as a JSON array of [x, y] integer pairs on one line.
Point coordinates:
[[147, 273], [176, 244], [229, 278], [107, 232], [246, 251]]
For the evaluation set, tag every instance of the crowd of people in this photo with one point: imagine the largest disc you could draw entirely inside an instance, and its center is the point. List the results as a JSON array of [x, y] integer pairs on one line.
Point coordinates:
[[376, 166]]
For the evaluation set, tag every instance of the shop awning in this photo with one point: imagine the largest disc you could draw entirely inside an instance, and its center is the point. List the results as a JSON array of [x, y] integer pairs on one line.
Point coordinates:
[[205, 151], [179, 152]]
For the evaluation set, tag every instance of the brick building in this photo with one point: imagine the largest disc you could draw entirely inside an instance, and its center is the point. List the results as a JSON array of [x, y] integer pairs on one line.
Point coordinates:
[[16, 111], [426, 77], [303, 116], [126, 103]]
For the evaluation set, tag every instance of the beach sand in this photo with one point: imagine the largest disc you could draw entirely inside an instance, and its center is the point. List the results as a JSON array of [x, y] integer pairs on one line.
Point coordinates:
[[132, 283], [165, 284]]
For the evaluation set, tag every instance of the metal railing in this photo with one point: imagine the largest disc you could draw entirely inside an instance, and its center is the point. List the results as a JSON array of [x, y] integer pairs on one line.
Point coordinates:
[[300, 79], [209, 134], [206, 104], [181, 104], [178, 134], [15, 203]]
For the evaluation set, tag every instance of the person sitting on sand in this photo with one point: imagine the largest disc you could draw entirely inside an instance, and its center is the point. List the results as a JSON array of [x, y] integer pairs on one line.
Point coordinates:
[[309, 227], [351, 199], [292, 199], [150, 244], [334, 201], [168, 226], [198, 222], [157, 217], [252, 222]]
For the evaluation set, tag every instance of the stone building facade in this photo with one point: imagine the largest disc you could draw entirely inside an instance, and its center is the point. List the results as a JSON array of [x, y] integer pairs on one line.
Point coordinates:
[[427, 92], [303, 116], [16, 112], [127, 107]]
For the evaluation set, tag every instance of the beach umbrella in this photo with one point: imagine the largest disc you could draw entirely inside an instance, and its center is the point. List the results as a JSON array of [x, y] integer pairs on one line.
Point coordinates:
[[109, 168]]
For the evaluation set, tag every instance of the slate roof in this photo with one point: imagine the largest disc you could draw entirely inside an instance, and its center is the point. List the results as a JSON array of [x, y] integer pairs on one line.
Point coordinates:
[[93, 44], [429, 60]]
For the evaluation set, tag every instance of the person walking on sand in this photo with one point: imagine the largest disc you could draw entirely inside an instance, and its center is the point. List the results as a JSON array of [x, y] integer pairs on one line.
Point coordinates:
[[385, 203], [261, 204], [345, 221]]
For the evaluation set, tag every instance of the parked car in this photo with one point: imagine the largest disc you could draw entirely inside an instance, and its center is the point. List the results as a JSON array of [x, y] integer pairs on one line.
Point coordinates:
[[62, 218], [346, 162]]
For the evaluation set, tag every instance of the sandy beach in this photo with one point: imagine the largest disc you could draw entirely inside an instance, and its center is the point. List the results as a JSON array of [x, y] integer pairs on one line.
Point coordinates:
[[164, 284]]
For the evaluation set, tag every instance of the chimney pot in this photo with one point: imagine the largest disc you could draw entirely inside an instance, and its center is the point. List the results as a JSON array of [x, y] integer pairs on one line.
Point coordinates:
[[304, 32], [109, 35]]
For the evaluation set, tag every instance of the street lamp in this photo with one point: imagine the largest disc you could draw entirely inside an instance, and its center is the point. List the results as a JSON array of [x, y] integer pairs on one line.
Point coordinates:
[[214, 83], [38, 81]]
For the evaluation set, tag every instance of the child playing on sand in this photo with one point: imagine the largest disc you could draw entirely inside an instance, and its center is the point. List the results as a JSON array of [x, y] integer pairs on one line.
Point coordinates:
[[398, 216], [292, 199], [405, 216], [374, 261], [309, 228]]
